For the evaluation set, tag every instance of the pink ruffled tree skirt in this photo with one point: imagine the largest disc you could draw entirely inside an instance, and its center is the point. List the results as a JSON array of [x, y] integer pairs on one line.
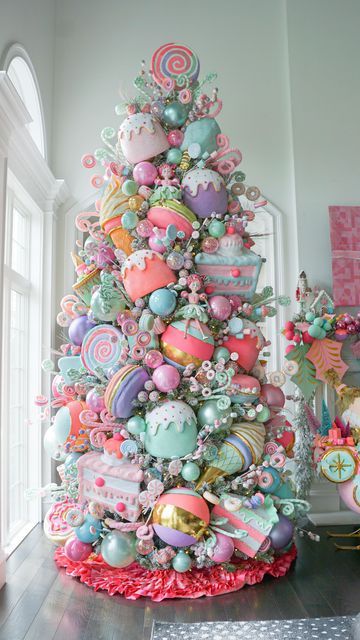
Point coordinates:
[[134, 581]]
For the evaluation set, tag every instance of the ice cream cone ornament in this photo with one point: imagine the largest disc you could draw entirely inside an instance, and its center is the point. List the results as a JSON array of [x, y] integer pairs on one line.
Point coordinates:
[[163, 361]]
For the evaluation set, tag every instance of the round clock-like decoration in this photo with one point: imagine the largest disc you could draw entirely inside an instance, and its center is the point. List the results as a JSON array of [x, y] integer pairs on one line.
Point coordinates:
[[338, 464]]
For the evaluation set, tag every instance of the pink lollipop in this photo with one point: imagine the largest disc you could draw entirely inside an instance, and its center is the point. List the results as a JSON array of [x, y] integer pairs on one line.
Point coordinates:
[[174, 61], [101, 347]]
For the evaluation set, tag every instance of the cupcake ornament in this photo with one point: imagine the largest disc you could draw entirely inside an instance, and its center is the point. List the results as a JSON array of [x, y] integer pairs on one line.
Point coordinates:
[[204, 192], [142, 137]]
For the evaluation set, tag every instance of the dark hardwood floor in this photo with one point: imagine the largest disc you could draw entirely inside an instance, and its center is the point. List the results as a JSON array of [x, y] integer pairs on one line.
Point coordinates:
[[41, 603]]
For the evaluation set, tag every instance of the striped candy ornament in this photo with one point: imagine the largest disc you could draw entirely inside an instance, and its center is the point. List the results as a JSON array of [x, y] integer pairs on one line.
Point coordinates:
[[180, 517], [182, 345]]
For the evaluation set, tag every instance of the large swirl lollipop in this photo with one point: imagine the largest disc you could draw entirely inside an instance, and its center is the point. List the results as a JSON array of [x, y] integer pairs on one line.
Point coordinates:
[[101, 347], [174, 61]]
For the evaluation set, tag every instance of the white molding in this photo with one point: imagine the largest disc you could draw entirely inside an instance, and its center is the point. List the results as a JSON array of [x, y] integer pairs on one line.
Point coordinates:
[[13, 114], [24, 158], [2, 568], [16, 50], [332, 518]]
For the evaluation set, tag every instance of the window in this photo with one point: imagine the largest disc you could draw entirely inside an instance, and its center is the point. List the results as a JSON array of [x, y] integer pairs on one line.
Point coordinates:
[[21, 73], [266, 232], [21, 437]]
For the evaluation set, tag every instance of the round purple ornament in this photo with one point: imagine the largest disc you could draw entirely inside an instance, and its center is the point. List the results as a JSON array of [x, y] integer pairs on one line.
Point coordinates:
[[282, 532], [224, 548], [79, 328]]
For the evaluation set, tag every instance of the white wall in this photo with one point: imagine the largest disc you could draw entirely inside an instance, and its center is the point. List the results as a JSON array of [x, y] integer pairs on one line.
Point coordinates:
[[324, 54], [31, 23]]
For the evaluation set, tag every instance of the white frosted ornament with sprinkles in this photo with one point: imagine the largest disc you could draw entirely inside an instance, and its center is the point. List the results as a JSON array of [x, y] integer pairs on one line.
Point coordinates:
[[142, 137], [171, 430]]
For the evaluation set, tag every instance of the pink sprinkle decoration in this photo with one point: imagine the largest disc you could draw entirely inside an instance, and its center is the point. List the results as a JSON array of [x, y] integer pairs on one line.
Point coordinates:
[[99, 482], [120, 507], [235, 273], [117, 436]]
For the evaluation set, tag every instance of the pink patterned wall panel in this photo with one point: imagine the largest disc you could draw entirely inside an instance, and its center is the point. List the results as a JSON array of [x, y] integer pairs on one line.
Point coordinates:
[[345, 245]]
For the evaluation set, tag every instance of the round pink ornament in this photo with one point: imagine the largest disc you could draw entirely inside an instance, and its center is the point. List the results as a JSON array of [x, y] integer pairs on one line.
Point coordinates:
[[155, 241], [220, 307], [145, 173], [144, 228], [224, 548], [94, 401], [76, 550], [175, 137], [153, 359], [166, 378]]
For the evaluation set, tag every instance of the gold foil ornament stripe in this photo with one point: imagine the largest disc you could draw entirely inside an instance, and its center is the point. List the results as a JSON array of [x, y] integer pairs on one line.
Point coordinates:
[[168, 515]]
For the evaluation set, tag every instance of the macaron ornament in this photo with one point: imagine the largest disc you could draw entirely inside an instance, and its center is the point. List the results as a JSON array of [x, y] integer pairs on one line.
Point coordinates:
[[122, 391]]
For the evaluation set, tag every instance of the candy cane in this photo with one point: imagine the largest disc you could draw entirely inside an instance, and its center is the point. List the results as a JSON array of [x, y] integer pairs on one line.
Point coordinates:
[[83, 224], [122, 526]]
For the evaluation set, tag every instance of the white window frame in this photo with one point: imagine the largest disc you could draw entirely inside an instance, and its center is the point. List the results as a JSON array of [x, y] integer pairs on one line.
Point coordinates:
[[30, 287], [22, 162], [31, 97]]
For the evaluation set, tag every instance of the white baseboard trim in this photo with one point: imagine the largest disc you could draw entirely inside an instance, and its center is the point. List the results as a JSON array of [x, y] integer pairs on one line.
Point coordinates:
[[334, 518]]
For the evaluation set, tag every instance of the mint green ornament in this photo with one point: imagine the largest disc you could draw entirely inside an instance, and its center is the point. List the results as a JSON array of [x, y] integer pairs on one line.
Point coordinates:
[[221, 352], [118, 549], [129, 188], [190, 471], [129, 220], [309, 316], [136, 425], [318, 322], [209, 412], [202, 132], [181, 562], [174, 156], [217, 229], [171, 430], [263, 415], [314, 331], [107, 300]]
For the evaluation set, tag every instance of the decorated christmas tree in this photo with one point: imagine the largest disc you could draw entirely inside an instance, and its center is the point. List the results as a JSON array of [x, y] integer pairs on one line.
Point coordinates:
[[168, 427]]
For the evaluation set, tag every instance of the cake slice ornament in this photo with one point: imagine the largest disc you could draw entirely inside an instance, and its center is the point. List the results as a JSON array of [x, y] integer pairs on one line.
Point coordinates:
[[164, 407]]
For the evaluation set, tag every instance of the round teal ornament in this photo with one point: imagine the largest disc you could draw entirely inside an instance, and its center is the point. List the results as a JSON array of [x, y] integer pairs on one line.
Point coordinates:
[[129, 188], [190, 471], [118, 549], [175, 114], [135, 425], [181, 562]]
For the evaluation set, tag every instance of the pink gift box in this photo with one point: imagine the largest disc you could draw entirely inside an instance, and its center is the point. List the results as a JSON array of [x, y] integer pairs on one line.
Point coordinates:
[[345, 245]]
